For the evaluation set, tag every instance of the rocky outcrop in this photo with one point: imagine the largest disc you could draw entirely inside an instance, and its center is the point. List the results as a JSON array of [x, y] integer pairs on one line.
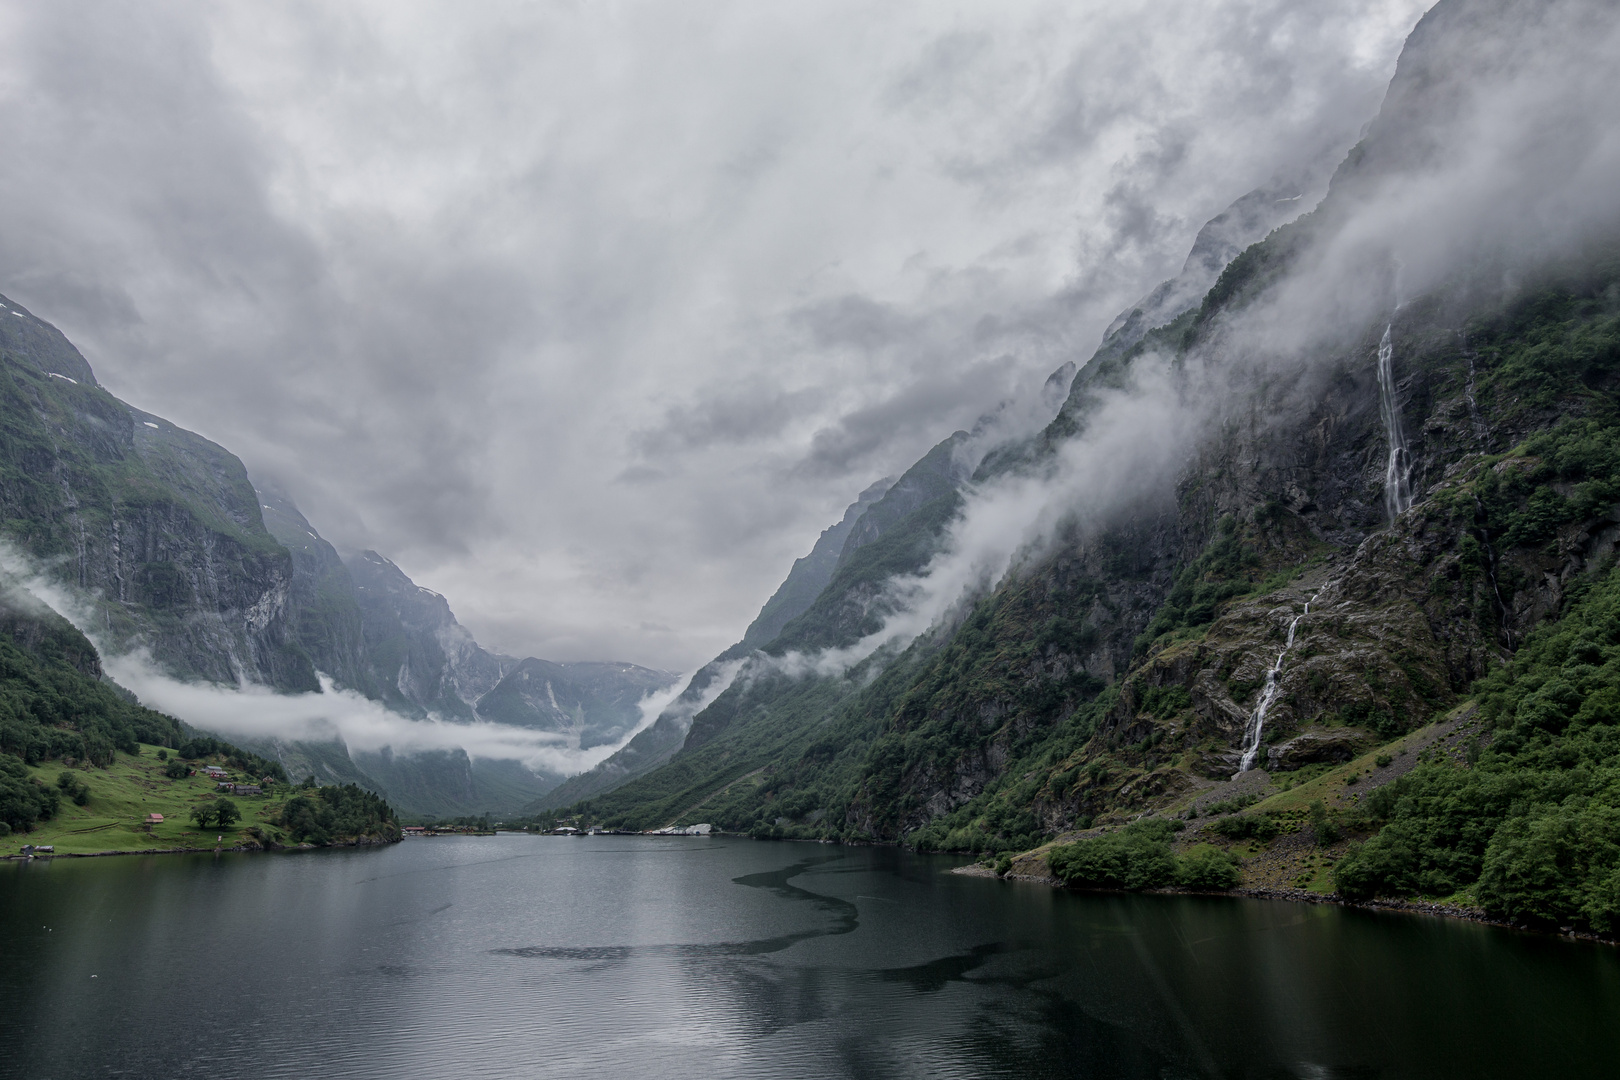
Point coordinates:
[[1333, 745]]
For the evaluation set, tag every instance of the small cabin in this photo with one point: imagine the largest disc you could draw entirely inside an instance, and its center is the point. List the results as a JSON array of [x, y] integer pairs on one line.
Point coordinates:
[[154, 819], [414, 830]]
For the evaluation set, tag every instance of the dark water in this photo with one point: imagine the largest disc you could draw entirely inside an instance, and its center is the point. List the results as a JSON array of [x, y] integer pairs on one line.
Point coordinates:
[[671, 957]]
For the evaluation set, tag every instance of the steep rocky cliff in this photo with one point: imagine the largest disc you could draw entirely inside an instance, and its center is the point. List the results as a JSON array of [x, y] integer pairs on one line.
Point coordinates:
[[592, 703], [324, 615], [773, 707], [423, 659], [811, 574]]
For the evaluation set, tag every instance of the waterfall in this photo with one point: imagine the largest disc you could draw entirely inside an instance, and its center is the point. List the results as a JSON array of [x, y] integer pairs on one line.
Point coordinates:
[[1473, 404], [1490, 568], [1257, 719], [1397, 489]]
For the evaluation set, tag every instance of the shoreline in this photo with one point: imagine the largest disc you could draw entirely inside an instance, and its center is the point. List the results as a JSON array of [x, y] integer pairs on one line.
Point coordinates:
[[1305, 896], [99, 854], [216, 850]]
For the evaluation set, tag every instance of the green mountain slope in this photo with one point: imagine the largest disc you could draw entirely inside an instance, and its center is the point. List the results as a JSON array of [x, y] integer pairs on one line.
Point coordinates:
[[806, 583], [67, 736], [163, 540]]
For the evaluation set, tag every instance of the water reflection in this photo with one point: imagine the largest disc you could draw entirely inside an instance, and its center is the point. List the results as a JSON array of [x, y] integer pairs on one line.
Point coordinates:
[[520, 956]]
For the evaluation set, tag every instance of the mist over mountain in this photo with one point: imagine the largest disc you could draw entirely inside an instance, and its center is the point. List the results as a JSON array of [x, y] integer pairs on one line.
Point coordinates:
[[894, 527], [1304, 500]]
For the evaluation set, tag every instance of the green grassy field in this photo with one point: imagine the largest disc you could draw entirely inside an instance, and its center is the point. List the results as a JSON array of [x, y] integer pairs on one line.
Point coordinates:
[[121, 796]]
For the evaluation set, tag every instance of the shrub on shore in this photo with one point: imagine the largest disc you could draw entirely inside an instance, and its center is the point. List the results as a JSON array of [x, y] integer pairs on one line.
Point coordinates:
[[1139, 857]]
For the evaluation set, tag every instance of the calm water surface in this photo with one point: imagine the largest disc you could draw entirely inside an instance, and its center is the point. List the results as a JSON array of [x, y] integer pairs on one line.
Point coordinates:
[[520, 956]]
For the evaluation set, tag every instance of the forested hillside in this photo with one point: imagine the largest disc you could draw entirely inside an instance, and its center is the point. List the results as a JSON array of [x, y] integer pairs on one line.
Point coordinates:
[[56, 710]]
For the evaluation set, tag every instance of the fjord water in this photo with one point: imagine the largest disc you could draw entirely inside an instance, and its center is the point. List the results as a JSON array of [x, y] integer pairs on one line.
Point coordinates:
[[519, 956]]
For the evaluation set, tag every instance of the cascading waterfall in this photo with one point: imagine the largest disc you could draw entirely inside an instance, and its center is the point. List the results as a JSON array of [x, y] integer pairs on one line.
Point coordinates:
[[1397, 486], [1268, 694]]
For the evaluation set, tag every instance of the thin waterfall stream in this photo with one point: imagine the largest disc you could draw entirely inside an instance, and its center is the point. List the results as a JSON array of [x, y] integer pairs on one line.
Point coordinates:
[[1474, 420], [1268, 694], [1397, 483], [1490, 568]]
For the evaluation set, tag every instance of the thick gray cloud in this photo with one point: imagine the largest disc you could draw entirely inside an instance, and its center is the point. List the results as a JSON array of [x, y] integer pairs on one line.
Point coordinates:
[[593, 315]]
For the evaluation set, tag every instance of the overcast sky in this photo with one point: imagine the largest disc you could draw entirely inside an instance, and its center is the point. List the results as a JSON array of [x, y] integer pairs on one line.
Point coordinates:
[[592, 315]]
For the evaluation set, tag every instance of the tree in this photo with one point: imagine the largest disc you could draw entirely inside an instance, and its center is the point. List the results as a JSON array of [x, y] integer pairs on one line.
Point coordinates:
[[24, 800], [1208, 868], [226, 813], [203, 816], [1322, 825], [73, 787], [1136, 857]]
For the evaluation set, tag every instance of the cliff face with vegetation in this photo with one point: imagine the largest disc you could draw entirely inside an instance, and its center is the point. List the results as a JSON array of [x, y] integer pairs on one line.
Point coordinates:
[[158, 528], [1122, 668]]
